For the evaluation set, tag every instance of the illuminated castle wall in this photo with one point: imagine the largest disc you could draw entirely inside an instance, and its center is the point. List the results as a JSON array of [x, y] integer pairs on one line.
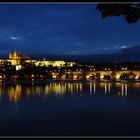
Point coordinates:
[[17, 59], [53, 63]]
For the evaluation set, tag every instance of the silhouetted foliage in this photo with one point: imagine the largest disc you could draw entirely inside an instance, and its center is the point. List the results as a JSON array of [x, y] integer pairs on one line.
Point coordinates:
[[131, 11]]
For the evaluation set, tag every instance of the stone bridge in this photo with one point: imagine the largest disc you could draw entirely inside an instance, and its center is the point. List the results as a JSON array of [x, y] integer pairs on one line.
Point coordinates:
[[77, 75]]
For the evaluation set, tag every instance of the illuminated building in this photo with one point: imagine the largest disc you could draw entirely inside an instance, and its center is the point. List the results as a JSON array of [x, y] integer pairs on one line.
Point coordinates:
[[16, 58], [48, 63], [18, 67], [62, 70], [57, 63]]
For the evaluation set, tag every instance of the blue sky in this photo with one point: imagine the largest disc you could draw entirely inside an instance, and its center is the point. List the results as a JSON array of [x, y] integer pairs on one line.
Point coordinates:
[[73, 29]]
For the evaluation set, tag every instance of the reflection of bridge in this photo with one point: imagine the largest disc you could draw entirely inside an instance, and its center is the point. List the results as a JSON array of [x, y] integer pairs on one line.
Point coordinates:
[[112, 75], [122, 88], [18, 91]]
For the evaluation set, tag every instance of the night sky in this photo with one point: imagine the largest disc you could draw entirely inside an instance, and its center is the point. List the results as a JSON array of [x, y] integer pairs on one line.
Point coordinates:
[[69, 29]]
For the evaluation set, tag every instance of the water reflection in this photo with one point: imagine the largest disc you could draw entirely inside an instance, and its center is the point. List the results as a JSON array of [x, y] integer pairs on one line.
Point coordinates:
[[17, 92], [92, 88], [107, 87], [14, 93], [56, 88], [124, 89]]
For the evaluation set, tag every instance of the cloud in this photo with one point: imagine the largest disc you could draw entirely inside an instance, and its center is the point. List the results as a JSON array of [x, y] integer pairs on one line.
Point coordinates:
[[135, 50], [123, 47], [14, 38]]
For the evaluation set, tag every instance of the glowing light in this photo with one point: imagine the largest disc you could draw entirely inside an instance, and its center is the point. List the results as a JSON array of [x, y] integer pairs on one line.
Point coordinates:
[[109, 87], [75, 77], [90, 87], [101, 76], [77, 87], [117, 76], [80, 87], [105, 88], [88, 76], [94, 88], [125, 89], [32, 76], [122, 89], [18, 67], [54, 76]]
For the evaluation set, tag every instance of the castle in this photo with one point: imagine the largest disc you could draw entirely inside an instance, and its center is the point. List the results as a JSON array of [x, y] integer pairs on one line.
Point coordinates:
[[16, 58]]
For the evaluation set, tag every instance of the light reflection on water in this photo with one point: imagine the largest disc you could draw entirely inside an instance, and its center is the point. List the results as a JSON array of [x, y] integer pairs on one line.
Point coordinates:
[[71, 108], [16, 92]]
